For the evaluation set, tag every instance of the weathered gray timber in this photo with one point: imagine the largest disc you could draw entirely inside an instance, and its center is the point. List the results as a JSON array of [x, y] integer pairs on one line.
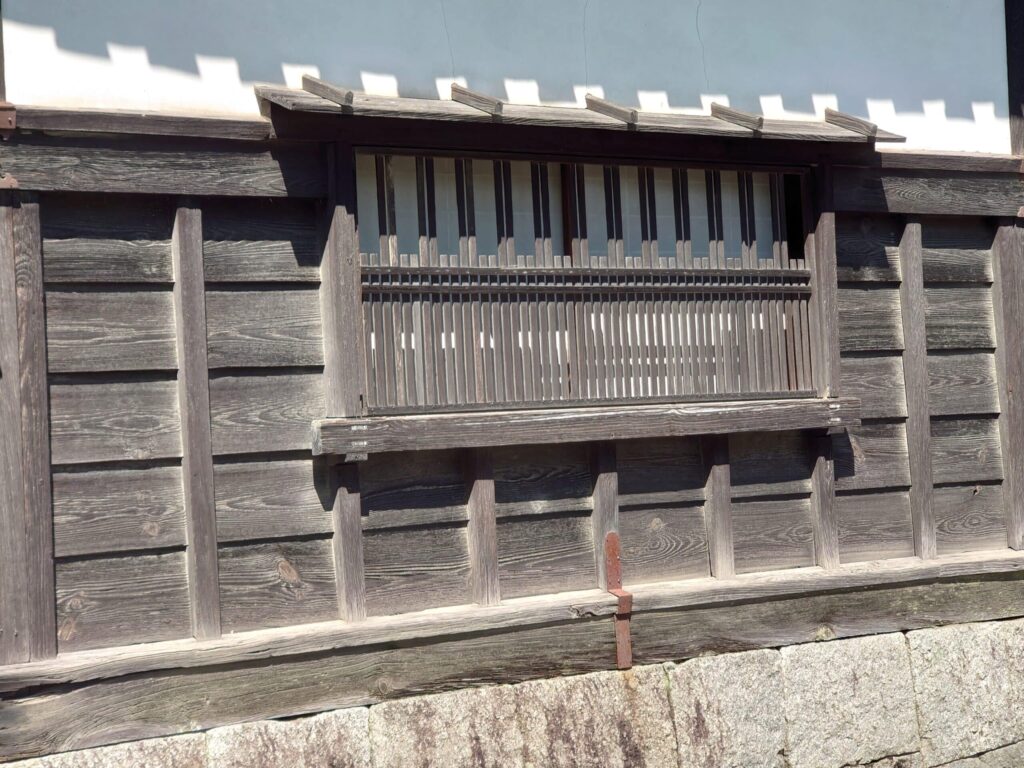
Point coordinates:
[[718, 507], [481, 101], [950, 193], [482, 530], [605, 516], [58, 121]]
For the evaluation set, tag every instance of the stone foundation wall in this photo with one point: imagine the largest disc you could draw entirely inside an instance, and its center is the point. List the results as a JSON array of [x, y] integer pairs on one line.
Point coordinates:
[[952, 696]]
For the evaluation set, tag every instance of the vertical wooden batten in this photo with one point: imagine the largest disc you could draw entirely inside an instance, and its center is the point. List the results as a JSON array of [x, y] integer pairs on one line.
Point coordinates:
[[1014, 18], [344, 368], [718, 506], [194, 410], [605, 516], [1008, 305], [915, 372], [27, 609], [483, 532]]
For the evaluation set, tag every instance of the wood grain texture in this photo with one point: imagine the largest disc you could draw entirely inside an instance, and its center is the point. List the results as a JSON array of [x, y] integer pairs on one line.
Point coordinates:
[[869, 318], [660, 471], [959, 318], [414, 488], [962, 383], [347, 543], [1013, 15], [605, 515], [276, 583], [951, 193], [416, 568], [824, 518], [525, 427], [771, 534], [867, 248], [878, 381], [116, 601], [114, 421], [913, 297], [718, 506], [957, 250], [270, 500], [251, 414], [106, 239], [194, 408], [266, 328], [107, 511], [965, 450], [970, 518], [871, 456], [121, 331], [482, 532], [260, 240], [163, 167], [542, 479], [663, 542], [769, 464], [1008, 314], [874, 526], [124, 121], [826, 309], [537, 555]]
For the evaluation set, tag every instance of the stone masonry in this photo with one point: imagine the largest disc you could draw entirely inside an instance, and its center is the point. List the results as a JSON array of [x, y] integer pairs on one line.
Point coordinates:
[[952, 696]]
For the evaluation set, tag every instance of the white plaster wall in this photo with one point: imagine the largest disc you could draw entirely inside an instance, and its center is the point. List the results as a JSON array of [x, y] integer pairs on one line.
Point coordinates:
[[932, 70]]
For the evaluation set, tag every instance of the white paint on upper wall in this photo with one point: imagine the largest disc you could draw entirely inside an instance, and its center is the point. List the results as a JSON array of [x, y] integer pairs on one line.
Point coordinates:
[[931, 70]]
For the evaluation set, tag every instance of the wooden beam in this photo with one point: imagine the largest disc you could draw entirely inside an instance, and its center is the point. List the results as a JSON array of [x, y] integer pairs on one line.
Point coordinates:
[[953, 193], [737, 116], [482, 529], [479, 429], [142, 123], [627, 115], [1014, 16], [916, 382], [194, 410], [343, 97], [347, 543], [718, 506], [824, 519], [481, 101], [1008, 306], [851, 123], [605, 517]]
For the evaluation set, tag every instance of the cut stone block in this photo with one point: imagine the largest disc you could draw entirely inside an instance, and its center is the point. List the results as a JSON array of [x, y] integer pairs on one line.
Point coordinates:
[[188, 751], [1004, 757]]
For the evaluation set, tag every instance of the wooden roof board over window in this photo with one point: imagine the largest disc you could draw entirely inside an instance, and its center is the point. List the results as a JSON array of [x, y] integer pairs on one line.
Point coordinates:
[[364, 105]]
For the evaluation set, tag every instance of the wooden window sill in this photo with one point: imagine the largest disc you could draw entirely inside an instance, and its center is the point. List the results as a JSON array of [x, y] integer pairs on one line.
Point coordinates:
[[355, 437]]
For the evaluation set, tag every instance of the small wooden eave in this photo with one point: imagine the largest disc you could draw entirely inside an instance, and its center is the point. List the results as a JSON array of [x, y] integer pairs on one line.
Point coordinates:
[[473, 107], [58, 120]]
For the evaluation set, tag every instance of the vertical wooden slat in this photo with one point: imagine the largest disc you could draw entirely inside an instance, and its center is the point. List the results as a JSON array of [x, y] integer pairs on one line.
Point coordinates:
[[605, 517], [915, 372], [824, 520], [482, 529], [1008, 303], [194, 410], [345, 367], [718, 505]]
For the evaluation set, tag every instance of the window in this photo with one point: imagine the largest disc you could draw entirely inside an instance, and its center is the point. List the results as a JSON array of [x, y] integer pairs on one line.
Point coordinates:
[[494, 283]]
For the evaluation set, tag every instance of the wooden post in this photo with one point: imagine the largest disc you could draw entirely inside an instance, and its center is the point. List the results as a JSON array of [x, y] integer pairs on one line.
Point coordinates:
[[718, 506], [1014, 17], [1008, 304], [483, 531], [915, 374], [824, 521], [605, 517], [27, 596], [344, 368], [194, 411]]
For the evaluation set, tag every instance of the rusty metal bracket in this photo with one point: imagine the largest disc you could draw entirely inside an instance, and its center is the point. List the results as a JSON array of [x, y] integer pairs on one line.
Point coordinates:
[[8, 119], [624, 610]]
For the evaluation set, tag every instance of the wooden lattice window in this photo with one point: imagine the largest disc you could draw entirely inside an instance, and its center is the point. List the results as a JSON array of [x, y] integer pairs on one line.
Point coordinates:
[[511, 283]]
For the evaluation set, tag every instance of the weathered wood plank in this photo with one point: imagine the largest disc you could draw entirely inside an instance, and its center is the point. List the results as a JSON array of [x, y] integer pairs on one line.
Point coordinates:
[[1008, 315], [482, 532], [156, 124], [163, 167], [660, 471], [347, 543], [965, 450], [249, 329], [269, 500], [605, 517], [878, 381], [769, 464], [950, 193], [472, 430], [415, 488], [260, 241], [867, 248], [416, 568], [194, 409], [771, 534], [102, 512], [718, 506], [252, 414], [970, 518], [663, 542], [869, 318], [545, 554], [109, 602], [824, 517], [959, 318], [874, 526], [121, 331], [962, 383], [957, 250], [871, 456], [106, 239], [276, 583], [114, 421], [542, 479]]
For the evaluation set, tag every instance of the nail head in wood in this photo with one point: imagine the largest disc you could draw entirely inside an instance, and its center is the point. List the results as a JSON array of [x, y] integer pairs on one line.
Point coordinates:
[[738, 117], [481, 101], [611, 109]]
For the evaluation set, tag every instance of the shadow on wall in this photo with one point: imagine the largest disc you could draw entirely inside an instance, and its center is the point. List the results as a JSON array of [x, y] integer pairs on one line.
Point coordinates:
[[871, 58]]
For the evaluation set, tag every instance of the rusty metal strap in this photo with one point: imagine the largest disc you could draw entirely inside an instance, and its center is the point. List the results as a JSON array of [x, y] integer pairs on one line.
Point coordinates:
[[624, 609]]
